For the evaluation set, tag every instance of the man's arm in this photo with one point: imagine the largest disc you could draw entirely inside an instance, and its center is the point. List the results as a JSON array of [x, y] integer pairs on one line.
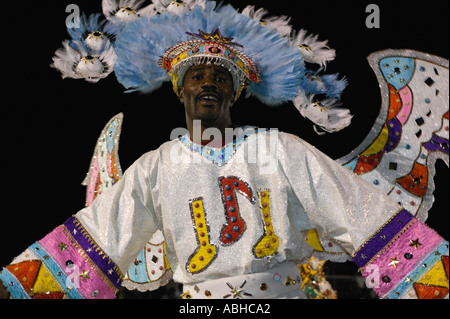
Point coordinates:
[[84, 257], [399, 255]]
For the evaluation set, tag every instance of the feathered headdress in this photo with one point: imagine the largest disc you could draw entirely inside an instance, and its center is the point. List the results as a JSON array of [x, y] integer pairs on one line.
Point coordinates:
[[146, 46]]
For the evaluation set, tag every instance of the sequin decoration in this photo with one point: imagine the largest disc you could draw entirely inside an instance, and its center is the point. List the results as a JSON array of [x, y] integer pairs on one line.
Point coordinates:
[[416, 181], [268, 244], [411, 132], [235, 226], [217, 155], [406, 253], [104, 170], [67, 263], [398, 71], [213, 46], [150, 268], [206, 251]]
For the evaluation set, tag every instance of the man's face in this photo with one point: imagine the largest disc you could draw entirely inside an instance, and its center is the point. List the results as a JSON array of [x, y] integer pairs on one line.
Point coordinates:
[[207, 94]]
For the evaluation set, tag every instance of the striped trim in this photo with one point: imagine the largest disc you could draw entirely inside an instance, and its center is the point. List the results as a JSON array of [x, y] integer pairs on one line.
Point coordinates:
[[85, 275], [58, 274], [110, 270], [13, 285], [77, 265], [397, 261], [433, 257], [382, 239]]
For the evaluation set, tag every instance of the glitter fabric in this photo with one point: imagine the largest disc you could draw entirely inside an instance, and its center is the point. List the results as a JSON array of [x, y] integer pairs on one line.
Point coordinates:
[[411, 132], [65, 264], [307, 190], [405, 259], [262, 207]]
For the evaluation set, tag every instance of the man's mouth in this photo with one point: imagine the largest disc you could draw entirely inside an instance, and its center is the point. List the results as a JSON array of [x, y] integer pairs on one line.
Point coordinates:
[[208, 97]]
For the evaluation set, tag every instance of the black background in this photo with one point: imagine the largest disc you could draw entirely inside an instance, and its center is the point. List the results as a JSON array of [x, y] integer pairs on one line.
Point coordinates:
[[50, 125]]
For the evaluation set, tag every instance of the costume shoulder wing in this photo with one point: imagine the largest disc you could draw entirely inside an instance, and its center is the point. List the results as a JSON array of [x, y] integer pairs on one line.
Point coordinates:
[[150, 269], [104, 170], [411, 132]]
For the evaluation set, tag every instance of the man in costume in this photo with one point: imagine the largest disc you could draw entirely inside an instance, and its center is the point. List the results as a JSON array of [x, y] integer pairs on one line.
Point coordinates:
[[235, 212]]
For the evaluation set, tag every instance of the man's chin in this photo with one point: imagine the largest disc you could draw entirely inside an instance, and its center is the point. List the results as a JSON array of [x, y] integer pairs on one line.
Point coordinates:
[[207, 113]]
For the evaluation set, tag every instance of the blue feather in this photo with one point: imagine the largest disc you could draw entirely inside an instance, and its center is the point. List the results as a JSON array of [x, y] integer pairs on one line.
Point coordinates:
[[141, 43], [86, 25]]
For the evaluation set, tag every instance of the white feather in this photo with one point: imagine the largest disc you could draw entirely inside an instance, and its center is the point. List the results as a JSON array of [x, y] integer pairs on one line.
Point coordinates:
[[326, 114], [113, 9], [148, 11], [313, 50], [65, 59], [177, 7], [78, 64], [280, 24], [96, 43]]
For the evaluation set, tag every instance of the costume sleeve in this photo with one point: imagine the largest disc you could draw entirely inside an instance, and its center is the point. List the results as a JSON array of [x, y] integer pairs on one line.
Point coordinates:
[[87, 256], [399, 256]]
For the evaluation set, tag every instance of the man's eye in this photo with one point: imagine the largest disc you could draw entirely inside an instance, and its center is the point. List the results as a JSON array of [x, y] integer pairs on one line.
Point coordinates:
[[220, 79], [197, 77]]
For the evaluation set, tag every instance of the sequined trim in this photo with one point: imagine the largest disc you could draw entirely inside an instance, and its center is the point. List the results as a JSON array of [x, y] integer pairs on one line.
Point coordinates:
[[217, 155], [268, 243], [206, 251], [13, 285], [396, 262], [382, 238], [235, 225], [85, 275], [419, 276], [67, 263], [58, 274], [109, 269]]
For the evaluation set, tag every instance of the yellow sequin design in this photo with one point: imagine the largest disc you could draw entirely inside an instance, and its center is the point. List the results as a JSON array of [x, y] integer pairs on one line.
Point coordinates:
[[268, 244], [205, 252]]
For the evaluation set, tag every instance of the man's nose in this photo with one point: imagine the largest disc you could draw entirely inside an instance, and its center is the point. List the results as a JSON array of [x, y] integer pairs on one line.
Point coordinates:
[[209, 83]]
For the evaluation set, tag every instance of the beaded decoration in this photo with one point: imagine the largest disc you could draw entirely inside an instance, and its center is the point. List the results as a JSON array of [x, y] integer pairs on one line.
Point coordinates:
[[235, 225], [65, 264], [147, 46], [219, 155], [412, 129], [268, 243], [405, 259], [206, 251], [212, 48]]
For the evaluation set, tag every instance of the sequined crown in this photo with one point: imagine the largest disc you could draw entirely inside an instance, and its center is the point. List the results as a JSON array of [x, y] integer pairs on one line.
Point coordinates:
[[210, 48]]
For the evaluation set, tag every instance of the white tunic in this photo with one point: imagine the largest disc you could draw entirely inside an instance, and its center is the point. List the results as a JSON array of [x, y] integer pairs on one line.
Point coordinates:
[[241, 209]]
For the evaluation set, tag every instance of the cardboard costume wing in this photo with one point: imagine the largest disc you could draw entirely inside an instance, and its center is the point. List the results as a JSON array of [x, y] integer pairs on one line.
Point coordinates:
[[398, 156], [150, 269], [411, 132]]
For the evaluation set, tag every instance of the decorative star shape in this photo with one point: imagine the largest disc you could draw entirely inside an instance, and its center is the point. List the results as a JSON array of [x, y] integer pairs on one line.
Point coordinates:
[[393, 262], [236, 292], [62, 246], [215, 36], [85, 275], [415, 243]]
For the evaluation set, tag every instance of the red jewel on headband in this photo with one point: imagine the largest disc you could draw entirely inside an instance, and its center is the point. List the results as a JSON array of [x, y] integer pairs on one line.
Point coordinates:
[[214, 50]]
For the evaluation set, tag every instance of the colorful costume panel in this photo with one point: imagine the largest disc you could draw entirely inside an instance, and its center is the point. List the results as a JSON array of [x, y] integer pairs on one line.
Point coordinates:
[[248, 216]]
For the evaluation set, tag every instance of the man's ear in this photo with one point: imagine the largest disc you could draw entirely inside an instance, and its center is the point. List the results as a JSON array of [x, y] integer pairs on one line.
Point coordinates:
[[181, 94], [232, 100]]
